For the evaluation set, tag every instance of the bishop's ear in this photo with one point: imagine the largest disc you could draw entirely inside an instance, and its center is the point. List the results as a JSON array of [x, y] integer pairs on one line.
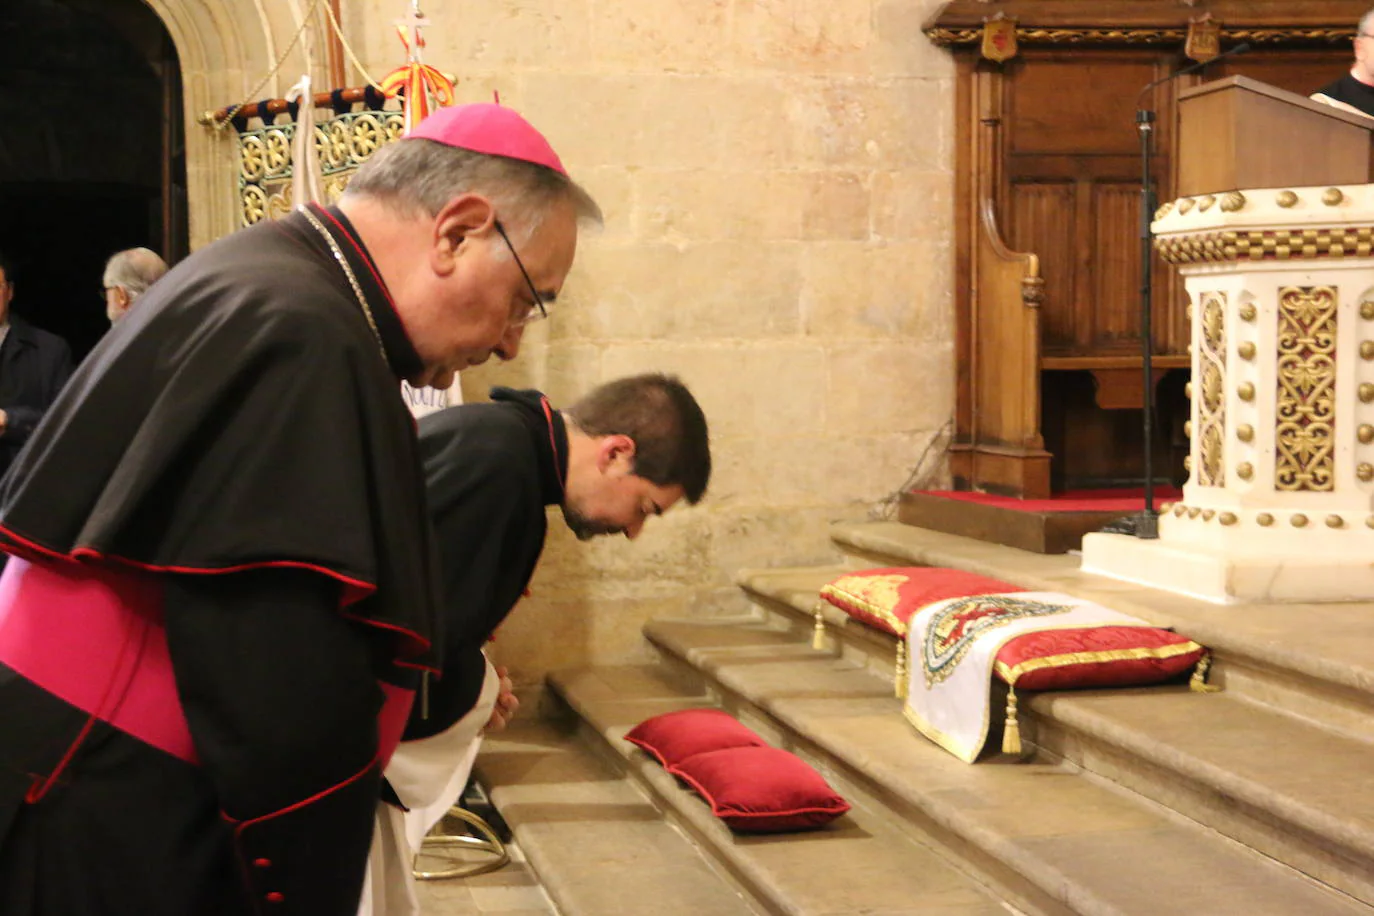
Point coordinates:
[[463, 216]]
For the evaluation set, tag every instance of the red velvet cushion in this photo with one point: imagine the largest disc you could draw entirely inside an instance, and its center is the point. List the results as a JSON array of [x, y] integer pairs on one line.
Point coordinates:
[[675, 736], [1095, 657], [762, 789], [886, 598]]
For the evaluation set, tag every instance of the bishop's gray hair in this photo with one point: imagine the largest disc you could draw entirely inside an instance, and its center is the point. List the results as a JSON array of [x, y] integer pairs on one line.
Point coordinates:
[[135, 270], [426, 175], [1366, 21]]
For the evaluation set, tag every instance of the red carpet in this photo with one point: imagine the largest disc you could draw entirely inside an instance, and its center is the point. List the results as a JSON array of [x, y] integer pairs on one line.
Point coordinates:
[[1128, 500]]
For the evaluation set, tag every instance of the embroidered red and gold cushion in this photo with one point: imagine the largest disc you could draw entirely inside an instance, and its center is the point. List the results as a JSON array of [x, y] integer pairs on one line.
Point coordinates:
[[886, 598], [1104, 656]]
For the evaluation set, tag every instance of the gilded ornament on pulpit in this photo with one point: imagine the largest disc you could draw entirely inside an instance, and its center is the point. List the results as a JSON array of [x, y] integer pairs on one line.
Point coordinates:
[[1211, 407], [1304, 441]]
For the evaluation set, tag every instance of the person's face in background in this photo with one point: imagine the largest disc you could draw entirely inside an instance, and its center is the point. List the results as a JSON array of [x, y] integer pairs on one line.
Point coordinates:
[[116, 303], [1364, 58]]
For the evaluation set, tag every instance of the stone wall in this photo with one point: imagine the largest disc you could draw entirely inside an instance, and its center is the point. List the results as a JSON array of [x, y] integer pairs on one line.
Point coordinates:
[[777, 181]]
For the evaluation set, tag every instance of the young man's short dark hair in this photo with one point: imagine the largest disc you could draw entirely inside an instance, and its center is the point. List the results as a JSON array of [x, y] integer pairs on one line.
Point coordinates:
[[672, 444]]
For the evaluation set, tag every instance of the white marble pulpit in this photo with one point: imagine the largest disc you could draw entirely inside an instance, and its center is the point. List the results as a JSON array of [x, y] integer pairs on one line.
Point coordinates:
[[1279, 503]]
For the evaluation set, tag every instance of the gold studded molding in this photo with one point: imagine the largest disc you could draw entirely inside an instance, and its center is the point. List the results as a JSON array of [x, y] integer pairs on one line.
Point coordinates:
[[1313, 240]]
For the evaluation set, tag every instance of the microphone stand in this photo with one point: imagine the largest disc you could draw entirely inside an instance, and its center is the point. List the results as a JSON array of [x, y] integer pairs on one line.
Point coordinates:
[[1145, 524]]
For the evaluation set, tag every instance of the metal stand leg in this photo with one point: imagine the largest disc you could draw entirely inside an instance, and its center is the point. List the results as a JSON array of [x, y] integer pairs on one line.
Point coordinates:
[[487, 842]]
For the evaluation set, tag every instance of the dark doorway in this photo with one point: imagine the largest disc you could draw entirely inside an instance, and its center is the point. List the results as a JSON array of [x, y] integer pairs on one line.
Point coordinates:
[[91, 153]]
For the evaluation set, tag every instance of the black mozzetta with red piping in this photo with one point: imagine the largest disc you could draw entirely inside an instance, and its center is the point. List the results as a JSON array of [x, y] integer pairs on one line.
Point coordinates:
[[234, 465]]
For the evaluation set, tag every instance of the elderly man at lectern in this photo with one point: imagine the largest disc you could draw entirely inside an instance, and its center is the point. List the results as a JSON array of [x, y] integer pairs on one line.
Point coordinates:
[[1355, 91]]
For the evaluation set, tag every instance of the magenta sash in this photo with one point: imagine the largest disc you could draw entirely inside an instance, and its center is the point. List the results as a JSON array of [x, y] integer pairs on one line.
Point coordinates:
[[94, 637]]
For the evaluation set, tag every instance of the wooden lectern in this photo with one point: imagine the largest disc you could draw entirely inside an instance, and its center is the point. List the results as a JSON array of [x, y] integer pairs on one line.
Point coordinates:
[[1239, 133]]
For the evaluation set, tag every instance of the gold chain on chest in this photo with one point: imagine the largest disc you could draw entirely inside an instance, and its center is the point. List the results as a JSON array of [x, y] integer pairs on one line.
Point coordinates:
[[348, 272]]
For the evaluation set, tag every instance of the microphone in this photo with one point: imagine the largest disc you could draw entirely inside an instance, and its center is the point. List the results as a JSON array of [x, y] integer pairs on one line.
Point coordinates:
[[1193, 68]]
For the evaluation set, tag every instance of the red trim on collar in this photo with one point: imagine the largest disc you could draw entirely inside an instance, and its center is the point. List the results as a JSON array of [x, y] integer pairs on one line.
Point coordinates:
[[363, 256], [553, 441]]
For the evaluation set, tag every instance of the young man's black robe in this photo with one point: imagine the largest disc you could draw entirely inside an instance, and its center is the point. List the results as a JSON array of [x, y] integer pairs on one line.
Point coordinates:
[[238, 445], [491, 469]]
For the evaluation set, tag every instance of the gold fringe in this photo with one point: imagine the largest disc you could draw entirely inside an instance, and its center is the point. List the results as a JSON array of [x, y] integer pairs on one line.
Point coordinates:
[[818, 631], [1011, 732], [1198, 682], [899, 684]]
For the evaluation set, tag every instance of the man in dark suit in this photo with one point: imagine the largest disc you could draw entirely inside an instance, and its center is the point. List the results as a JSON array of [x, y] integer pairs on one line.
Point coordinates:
[[34, 365]]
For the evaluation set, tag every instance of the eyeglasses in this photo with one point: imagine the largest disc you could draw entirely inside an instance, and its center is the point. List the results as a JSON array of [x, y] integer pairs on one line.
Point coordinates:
[[532, 314], [1363, 35]]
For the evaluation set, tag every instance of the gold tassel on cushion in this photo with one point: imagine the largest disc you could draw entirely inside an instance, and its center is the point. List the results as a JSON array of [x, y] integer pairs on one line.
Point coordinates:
[[1011, 732], [1198, 682], [899, 685], [818, 631]]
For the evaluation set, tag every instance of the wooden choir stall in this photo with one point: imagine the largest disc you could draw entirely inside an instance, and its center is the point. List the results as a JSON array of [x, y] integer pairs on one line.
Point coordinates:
[[1048, 197]]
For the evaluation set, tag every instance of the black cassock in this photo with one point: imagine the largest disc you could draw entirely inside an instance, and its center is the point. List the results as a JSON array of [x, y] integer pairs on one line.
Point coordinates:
[[490, 470], [1351, 91], [222, 592]]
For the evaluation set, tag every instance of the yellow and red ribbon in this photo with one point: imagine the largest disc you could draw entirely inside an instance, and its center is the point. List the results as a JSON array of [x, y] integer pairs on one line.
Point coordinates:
[[419, 82]]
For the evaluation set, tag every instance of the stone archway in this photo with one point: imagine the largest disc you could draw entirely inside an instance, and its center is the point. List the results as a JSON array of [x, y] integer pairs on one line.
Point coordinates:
[[226, 47]]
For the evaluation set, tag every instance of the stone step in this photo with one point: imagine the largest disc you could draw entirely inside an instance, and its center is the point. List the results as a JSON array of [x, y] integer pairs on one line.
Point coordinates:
[[1286, 787], [1046, 833], [1293, 791], [1311, 661], [595, 842], [860, 863]]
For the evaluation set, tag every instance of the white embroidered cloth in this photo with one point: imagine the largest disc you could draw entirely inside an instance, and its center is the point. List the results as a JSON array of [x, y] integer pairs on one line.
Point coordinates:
[[951, 647]]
